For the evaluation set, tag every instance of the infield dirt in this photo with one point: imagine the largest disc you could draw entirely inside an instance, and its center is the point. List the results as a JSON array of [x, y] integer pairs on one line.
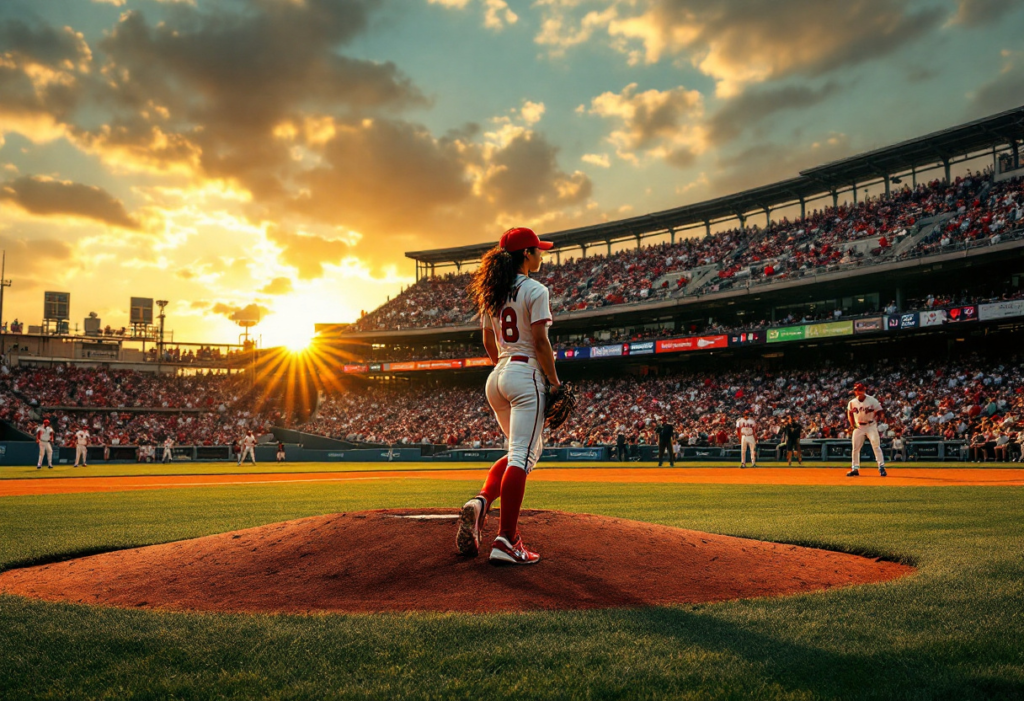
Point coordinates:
[[404, 560]]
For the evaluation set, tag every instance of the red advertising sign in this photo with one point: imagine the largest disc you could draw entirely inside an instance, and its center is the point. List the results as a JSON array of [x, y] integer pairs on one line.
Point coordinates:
[[438, 364], [675, 345], [356, 368], [401, 367], [478, 362]]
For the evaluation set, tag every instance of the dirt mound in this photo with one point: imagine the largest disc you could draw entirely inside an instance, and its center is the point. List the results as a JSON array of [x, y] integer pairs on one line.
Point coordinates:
[[404, 560]]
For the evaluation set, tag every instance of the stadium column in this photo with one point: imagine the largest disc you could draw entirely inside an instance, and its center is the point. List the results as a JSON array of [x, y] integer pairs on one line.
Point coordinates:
[[583, 250], [803, 208], [835, 198], [854, 188], [609, 242], [767, 216], [672, 235], [637, 243], [707, 226], [1016, 154], [886, 177], [945, 162]]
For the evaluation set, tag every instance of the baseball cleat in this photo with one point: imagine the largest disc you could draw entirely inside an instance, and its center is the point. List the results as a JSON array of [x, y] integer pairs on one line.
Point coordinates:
[[853, 473], [881, 471], [505, 553], [743, 465], [471, 523]]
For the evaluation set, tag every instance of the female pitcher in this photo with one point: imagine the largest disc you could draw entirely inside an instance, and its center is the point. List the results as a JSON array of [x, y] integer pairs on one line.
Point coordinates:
[[515, 315]]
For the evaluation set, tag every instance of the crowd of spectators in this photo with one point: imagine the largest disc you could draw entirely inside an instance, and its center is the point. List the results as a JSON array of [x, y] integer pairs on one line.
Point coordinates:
[[126, 407], [849, 234], [981, 219], [952, 400]]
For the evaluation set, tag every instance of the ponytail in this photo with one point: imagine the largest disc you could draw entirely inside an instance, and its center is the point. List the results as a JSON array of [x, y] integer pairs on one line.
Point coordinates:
[[493, 280]]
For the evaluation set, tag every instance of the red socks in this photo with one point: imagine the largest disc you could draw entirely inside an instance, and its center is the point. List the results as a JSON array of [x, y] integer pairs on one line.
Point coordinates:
[[513, 486], [492, 485]]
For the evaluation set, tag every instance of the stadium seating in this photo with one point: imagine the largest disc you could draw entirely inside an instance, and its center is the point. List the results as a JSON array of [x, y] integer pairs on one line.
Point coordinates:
[[848, 235], [954, 400]]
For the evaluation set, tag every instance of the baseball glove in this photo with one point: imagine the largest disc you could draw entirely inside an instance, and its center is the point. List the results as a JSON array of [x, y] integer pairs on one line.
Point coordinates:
[[560, 404]]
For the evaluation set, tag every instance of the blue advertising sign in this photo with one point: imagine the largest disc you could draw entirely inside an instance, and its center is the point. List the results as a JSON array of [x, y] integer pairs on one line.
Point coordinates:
[[606, 351]]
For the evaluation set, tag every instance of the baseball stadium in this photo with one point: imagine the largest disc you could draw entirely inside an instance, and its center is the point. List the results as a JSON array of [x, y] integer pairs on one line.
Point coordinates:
[[765, 440]]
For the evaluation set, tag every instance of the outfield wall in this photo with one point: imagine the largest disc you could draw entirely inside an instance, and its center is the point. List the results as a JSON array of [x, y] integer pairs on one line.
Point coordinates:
[[25, 453]]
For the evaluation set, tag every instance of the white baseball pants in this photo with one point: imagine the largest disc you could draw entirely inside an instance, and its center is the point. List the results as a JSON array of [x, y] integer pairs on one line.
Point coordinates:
[[869, 431], [80, 452], [748, 443], [516, 393], [251, 452], [166, 457], [45, 448]]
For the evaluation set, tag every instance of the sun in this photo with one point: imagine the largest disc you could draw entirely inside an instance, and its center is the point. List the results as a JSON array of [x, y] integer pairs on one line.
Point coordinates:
[[299, 341]]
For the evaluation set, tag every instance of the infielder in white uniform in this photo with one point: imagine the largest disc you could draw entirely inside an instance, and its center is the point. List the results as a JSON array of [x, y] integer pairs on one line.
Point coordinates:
[[515, 315], [248, 448], [746, 430], [168, 452], [864, 413], [44, 438], [81, 447]]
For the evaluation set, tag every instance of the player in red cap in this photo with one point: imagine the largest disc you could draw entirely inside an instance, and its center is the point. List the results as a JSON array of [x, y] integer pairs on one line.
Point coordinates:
[[44, 438], [515, 314], [864, 412]]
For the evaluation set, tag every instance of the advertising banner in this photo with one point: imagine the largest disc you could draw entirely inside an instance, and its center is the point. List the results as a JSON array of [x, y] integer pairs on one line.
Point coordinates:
[[676, 345], [375, 367], [829, 330], [958, 315], [438, 364], [935, 317], [1001, 310], [478, 362], [356, 369], [869, 325], [638, 348], [903, 321], [401, 367], [614, 351], [747, 338], [786, 333]]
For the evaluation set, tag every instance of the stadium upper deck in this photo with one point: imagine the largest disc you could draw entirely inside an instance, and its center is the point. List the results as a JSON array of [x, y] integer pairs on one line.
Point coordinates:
[[886, 233]]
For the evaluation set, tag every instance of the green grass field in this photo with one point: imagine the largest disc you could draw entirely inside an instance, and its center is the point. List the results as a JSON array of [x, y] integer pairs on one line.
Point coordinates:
[[954, 630]]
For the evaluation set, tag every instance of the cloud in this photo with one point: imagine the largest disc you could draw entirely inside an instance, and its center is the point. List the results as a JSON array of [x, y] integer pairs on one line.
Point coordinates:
[[524, 178], [497, 14], [236, 313], [307, 254], [975, 13], [1004, 91], [278, 286], [662, 124], [600, 160], [739, 42], [763, 163], [751, 107], [47, 197], [42, 73]]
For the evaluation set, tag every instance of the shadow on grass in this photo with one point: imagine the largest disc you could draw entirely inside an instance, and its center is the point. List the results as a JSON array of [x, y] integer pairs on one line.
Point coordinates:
[[937, 670]]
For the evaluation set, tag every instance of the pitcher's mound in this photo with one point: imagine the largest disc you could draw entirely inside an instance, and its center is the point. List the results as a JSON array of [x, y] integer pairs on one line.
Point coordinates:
[[404, 560]]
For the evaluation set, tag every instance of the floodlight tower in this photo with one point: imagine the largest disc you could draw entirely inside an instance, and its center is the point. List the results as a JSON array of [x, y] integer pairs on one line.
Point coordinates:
[[160, 346]]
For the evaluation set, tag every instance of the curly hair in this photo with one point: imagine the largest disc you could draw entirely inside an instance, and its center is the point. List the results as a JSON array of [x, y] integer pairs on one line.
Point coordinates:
[[493, 280]]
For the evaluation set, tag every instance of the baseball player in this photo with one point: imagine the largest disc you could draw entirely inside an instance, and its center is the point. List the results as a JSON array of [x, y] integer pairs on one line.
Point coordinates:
[[168, 445], [280, 452], [515, 314], [746, 431], [864, 412], [81, 447], [44, 438], [248, 448]]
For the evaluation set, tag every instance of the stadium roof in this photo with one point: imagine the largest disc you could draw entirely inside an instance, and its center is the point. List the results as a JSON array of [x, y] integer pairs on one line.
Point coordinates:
[[939, 147]]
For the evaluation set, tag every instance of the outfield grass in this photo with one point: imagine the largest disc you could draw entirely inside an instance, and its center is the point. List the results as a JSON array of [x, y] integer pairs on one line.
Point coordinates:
[[954, 630]]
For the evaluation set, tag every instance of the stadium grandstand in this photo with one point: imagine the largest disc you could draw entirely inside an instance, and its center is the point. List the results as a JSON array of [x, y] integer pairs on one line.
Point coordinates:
[[690, 314]]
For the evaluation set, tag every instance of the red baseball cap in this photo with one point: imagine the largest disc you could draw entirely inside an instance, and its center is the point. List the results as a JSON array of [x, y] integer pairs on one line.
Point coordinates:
[[859, 387], [520, 238]]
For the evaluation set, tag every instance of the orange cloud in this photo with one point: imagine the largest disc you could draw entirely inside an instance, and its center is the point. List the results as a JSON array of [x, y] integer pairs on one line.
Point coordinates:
[[47, 197]]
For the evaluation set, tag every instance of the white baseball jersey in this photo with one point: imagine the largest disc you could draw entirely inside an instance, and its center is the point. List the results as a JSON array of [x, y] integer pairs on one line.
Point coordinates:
[[864, 412], [746, 426], [168, 444], [527, 304], [81, 437], [44, 434], [249, 441]]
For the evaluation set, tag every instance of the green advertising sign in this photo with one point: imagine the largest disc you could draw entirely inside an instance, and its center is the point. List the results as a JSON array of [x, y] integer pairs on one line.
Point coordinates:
[[786, 333], [836, 328]]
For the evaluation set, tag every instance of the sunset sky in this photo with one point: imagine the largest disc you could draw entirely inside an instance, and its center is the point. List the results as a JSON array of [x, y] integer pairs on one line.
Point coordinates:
[[286, 153]]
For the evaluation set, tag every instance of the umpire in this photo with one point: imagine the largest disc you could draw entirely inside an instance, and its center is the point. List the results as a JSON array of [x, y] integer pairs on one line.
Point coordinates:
[[793, 432], [666, 434], [621, 454]]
